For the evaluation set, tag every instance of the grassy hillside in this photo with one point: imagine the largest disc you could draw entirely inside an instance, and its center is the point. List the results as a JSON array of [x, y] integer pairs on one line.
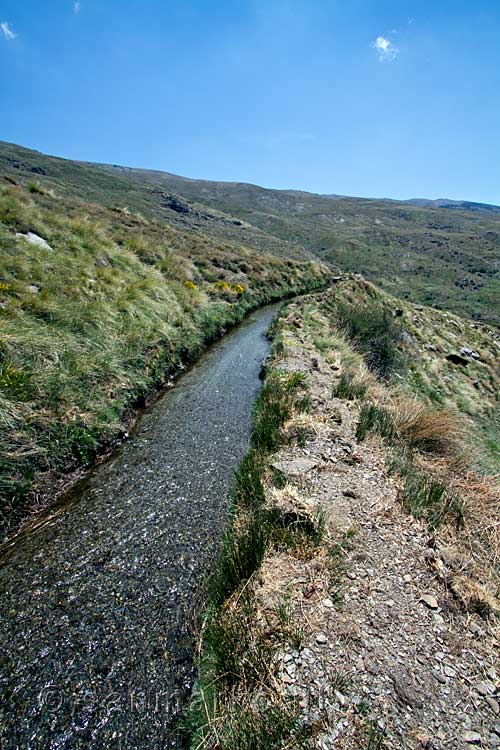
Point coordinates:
[[445, 257], [119, 188], [444, 360], [98, 307], [439, 253]]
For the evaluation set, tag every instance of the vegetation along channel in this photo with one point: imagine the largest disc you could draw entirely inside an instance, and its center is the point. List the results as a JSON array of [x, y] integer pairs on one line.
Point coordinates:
[[98, 605]]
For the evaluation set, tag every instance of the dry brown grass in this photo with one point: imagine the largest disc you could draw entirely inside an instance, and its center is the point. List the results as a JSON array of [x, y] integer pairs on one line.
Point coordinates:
[[437, 432], [481, 532]]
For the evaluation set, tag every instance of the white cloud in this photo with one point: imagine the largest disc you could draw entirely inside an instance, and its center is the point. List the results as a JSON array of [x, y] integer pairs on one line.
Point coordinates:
[[76, 7], [7, 31], [385, 49]]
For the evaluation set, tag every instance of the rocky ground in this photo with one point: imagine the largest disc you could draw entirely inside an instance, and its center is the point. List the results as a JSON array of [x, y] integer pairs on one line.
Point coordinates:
[[382, 654]]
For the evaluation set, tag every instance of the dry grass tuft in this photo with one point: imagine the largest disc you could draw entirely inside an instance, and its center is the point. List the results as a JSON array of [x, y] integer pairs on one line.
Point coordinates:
[[474, 597], [481, 532], [429, 430]]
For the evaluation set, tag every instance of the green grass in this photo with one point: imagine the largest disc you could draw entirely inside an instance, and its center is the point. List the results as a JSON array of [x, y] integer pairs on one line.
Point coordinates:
[[426, 496], [349, 387], [236, 655], [274, 406], [375, 737], [95, 323], [242, 552], [254, 527], [248, 490], [261, 728], [372, 328], [374, 419]]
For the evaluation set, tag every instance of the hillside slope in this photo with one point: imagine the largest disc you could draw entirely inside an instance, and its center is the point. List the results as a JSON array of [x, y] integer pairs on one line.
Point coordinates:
[[439, 253], [120, 189], [444, 360], [446, 257]]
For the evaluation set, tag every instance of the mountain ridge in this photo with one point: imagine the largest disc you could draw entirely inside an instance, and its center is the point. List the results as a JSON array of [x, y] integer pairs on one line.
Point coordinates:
[[451, 203]]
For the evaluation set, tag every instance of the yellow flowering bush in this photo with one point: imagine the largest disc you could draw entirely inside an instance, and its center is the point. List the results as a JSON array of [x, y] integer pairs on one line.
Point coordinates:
[[189, 285], [12, 379], [4, 287], [223, 286], [229, 289]]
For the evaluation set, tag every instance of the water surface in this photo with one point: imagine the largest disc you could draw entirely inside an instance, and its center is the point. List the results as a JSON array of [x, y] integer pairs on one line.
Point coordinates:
[[98, 605]]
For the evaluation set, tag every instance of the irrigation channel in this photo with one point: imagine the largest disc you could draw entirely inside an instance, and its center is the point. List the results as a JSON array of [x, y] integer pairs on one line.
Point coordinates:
[[98, 606]]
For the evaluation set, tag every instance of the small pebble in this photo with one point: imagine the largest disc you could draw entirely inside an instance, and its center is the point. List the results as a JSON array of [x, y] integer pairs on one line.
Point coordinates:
[[472, 738], [484, 688], [429, 601]]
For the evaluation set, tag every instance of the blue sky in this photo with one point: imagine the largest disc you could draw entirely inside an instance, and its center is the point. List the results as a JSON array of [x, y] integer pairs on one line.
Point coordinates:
[[357, 97]]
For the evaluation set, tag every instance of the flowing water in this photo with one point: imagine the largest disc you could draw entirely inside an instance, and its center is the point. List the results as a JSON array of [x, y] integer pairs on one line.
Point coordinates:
[[98, 604]]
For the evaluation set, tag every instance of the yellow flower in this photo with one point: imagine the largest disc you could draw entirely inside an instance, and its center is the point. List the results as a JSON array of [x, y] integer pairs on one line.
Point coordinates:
[[189, 285]]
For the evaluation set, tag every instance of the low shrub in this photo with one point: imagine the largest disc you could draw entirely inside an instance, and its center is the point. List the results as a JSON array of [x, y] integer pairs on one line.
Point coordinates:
[[35, 188], [427, 429]]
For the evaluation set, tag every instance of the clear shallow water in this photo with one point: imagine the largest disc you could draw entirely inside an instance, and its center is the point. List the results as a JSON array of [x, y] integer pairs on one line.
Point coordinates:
[[98, 607]]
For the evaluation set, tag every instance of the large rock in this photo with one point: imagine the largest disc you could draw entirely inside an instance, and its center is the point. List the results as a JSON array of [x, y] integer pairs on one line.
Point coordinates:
[[295, 467], [34, 239], [469, 352], [405, 689]]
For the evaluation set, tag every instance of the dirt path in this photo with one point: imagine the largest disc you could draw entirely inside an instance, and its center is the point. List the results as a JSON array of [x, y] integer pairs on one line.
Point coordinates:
[[388, 658]]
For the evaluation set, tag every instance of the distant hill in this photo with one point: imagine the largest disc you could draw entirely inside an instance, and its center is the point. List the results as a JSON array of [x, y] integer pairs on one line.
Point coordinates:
[[441, 253], [455, 205]]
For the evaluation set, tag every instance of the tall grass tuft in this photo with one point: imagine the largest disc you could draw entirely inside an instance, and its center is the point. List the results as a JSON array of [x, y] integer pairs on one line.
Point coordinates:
[[274, 406], [350, 387], [242, 551], [429, 430], [372, 327], [377, 420]]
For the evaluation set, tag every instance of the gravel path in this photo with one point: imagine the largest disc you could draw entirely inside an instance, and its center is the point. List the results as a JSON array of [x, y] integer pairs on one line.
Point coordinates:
[[389, 659]]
